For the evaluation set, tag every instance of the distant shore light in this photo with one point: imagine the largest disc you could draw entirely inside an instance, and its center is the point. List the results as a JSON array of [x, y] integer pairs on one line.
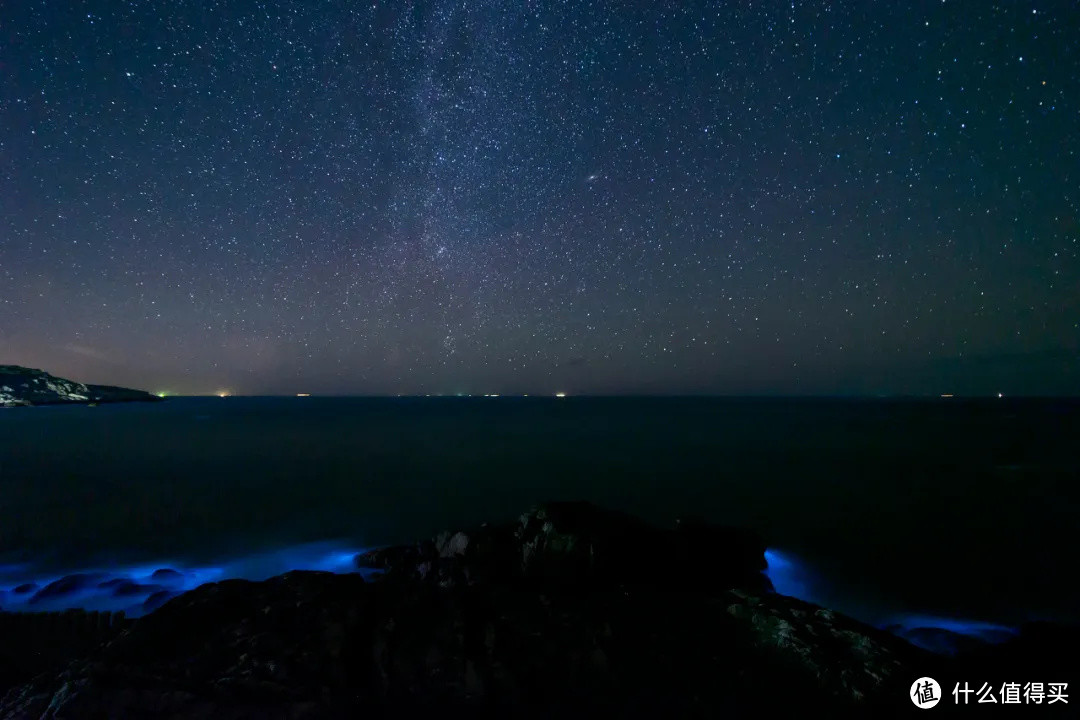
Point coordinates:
[[560, 394], [303, 394]]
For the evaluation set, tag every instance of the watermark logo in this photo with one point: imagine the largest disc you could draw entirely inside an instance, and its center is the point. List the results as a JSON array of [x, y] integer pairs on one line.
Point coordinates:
[[925, 693], [1013, 693]]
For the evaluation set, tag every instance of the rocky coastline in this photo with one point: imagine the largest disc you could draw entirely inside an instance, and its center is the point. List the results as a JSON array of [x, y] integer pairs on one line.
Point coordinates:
[[26, 387], [570, 611]]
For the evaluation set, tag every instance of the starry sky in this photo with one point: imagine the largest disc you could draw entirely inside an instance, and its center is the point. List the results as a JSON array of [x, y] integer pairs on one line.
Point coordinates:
[[524, 196]]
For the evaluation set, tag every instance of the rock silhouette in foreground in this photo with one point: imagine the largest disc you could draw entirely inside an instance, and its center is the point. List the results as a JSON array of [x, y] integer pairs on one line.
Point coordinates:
[[21, 386], [572, 611]]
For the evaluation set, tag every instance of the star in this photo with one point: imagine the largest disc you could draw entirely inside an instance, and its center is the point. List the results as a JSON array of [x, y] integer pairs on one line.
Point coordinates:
[[644, 200]]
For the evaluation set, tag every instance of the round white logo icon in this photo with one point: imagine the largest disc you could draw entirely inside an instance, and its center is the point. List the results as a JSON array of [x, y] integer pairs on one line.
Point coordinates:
[[925, 693]]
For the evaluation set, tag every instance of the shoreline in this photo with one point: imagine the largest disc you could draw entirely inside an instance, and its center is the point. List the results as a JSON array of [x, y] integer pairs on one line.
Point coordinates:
[[138, 589], [571, 607]]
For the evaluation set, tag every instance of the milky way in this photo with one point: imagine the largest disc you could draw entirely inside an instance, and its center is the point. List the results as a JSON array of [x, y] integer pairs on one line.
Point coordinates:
[[501, 197]]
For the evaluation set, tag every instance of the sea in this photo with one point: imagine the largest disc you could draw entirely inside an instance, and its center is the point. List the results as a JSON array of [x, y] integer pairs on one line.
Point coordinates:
[[945, 512]]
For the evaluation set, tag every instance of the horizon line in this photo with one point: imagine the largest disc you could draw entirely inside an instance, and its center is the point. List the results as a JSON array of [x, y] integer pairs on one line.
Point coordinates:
[[568, 395]]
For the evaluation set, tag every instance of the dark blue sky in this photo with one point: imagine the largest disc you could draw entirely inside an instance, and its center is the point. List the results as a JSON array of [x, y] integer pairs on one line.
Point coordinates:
[[497, 196]]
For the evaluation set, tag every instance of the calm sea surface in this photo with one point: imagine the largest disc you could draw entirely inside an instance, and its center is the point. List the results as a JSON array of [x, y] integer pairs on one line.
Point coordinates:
[[966, 508]]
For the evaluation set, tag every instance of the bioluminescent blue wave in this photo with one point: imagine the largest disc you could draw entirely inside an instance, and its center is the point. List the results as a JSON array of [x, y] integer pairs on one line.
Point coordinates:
[[790, 576], [956, 625], [940, 634], [138, 589]]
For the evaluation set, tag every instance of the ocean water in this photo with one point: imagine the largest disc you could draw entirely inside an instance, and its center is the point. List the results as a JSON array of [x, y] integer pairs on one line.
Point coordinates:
[[963, 514]]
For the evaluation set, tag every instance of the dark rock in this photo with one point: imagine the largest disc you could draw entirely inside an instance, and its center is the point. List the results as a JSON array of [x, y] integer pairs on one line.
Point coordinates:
[[579, 544], [114, 394], [336, 646], [34, 642], [712, 554], [113, 582], [21, 386], [397, 557], [157, 599], [574, 543], [24, 588], [826, 650], [546, 617], [65, 586]]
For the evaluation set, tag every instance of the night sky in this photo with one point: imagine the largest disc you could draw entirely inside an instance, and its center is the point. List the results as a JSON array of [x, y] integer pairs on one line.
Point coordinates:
[[510, 196]]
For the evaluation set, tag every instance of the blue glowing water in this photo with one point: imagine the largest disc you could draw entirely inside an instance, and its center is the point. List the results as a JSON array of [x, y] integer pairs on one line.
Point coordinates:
[[136, 589], [139, 589], [791, 576], [901, 514]]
